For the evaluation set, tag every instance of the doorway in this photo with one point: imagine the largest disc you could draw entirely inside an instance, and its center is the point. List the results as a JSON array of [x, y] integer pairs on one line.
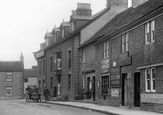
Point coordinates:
[[93, 88], [137, 89], [124, 89]]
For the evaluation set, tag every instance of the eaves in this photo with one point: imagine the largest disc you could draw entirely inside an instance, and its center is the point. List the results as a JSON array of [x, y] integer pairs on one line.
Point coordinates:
[[140, 21]]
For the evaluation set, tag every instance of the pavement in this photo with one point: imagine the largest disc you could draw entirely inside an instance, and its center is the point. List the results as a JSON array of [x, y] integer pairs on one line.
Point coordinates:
[[103, 109]]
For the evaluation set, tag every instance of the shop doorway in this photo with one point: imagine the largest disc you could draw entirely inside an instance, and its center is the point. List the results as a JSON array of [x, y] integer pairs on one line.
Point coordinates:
[[124, 89], [137, 89]]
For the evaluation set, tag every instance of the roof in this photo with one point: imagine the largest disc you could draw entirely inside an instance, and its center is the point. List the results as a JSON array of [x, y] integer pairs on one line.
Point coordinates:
[[128, 17], [65, 24], [30, 72], [48, 35], [11, 66]]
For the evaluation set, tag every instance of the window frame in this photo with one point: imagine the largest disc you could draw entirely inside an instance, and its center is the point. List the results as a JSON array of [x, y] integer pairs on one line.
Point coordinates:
[[9, 79], [105, 84], [125, 42], [106, 49], [69, 52], [10, 88], [150, 86], [69, 81], [150, 28]]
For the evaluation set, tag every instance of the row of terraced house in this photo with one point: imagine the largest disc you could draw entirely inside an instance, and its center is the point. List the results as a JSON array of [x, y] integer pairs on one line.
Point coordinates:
[[114, 57]]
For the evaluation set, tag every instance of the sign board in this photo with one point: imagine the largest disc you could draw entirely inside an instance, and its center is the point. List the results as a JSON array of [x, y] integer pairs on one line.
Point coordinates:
[[105, 64], [115, 92], [115, 80], [39, 54]]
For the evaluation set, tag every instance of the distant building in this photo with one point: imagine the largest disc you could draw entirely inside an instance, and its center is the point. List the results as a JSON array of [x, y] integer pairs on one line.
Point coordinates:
[[11, 79], [30, 77]]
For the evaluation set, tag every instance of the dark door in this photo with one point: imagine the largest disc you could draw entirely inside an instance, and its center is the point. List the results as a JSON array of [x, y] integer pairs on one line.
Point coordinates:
[[88, 88], [55, 91], [93, 88], [137, 89], [124, 89]]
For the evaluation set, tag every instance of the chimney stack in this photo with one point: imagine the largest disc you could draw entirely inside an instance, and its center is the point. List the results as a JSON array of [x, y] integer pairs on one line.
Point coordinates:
[[117, 3], [21, 57], [83, 9]]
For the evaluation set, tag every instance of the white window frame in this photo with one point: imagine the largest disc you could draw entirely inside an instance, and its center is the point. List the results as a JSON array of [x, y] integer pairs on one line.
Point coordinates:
[[125, 38], [150, 32], [8, 88], [150, 80], [106, 49], [9, 79]]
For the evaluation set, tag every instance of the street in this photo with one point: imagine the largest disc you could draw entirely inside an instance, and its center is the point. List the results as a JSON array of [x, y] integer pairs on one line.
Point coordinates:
[[20, 107]]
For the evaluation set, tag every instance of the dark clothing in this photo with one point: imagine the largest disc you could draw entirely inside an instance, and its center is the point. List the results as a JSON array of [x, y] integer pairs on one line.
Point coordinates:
[[46, 93]]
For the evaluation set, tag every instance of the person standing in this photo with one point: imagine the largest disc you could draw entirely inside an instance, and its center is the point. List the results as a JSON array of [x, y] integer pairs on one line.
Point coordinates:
[[46, 94]]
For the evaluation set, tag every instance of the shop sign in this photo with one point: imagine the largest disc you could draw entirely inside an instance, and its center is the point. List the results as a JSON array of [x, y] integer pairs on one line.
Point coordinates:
[[115, 92], [115, 80], [39, 54], [105, 64]]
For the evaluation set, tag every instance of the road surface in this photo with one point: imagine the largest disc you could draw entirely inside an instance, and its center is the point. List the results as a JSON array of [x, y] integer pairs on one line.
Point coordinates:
[[20, 107]]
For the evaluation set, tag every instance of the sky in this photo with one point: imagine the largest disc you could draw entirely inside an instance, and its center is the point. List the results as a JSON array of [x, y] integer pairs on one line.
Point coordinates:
[[23, 24]]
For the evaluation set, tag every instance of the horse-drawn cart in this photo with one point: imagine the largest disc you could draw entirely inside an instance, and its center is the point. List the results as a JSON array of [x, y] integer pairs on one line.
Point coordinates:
[[33, 94]]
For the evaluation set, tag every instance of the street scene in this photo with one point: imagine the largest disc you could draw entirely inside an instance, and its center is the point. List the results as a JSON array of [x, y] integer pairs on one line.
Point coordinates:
[[20, 107], [81, 57]]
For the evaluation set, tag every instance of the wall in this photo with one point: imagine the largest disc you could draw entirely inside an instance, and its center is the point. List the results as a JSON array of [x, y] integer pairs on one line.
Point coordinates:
[[16, 84]]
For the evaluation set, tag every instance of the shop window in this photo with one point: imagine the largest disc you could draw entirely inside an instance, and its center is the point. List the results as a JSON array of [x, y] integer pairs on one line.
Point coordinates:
[[150, 80], [9, 77], [105, 84]]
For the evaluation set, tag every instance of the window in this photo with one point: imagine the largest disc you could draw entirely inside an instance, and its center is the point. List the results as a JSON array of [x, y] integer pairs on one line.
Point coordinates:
[[8, 91], [63, 33], [106, 49], [55, 61], [125, 42], [43, 66], [150, 32], [51, 79], [25, 79], [9, 77], [59, 61], [105, 84], [83, 56], [39, 67], [150, 80], [51, 63], [69, 81], [69, 58], [83, 81]]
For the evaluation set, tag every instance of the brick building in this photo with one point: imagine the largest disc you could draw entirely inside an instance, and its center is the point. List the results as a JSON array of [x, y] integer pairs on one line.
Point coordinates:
[[87, 48], [129, 58], [11, 79]]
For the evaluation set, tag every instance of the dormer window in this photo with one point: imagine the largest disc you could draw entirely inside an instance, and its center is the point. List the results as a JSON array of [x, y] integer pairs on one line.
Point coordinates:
[[72, 27], [63, 32]]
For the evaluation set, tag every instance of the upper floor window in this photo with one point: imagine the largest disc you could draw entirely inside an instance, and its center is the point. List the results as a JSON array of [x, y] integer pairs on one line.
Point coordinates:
[[69, 58], [83, 56], [59, 60], [63, 33], [9, 77], [43, 66], [106, 49], [150, 80], [150, 32], [51, 63], [39, 67], [125, 42]]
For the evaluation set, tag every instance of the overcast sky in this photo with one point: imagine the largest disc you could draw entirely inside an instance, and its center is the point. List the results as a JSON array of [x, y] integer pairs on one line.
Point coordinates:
[[23, 24]]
